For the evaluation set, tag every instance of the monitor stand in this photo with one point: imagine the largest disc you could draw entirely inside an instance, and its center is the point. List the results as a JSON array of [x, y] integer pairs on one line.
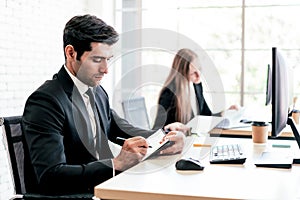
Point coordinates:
[[291, 123]]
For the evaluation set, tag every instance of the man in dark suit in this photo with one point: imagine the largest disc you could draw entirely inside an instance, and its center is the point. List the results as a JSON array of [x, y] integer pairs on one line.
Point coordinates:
[[67, 121]]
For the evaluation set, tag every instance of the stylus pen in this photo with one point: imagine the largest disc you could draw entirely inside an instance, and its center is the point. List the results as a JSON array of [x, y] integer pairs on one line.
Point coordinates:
[[123, 139]]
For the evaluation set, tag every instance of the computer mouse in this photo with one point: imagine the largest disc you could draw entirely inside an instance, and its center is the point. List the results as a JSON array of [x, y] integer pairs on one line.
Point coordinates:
[[188, 164]]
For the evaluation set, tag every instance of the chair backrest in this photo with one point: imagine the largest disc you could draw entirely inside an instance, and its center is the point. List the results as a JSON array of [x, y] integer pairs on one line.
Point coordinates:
[[135, 112], [14, 140], [12, 133]]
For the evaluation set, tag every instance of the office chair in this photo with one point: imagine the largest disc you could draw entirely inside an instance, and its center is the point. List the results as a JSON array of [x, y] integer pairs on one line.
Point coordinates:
[[135, 112], [13, 139]]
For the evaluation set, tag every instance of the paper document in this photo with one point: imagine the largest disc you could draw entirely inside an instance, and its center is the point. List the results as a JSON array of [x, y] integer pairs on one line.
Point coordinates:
[[204, 124], [234, 115], [232, 119]]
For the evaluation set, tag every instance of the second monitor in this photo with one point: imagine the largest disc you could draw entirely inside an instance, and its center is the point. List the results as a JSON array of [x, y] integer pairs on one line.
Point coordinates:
[[279, 91]]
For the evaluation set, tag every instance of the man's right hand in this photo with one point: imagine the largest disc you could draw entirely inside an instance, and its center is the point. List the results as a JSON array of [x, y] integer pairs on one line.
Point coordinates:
[[132, 152]]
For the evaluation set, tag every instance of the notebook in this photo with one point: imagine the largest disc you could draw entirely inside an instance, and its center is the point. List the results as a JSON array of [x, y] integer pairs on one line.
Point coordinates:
[[275, 160]]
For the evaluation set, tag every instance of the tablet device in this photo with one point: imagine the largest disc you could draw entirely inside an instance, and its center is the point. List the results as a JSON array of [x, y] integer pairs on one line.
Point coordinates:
[[155, 142]]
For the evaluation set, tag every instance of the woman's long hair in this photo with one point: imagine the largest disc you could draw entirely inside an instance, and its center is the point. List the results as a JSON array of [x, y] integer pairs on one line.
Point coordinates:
[[179, 78]]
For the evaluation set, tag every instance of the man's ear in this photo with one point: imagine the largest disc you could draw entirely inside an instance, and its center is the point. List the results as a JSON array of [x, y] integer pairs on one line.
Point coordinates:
[[70, 52]]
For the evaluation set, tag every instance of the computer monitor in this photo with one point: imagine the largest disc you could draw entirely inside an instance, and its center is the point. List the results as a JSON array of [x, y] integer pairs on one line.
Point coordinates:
[[278, 92]]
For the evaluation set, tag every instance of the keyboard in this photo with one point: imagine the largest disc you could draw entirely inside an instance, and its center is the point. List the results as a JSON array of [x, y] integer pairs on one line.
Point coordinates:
[[227, 154]]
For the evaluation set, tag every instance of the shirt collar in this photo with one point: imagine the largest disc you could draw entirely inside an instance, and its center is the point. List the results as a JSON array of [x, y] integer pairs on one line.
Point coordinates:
[[82, 88]]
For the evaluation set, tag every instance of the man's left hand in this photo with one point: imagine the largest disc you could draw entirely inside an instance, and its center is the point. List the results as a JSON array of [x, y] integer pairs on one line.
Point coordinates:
[[178, 138]]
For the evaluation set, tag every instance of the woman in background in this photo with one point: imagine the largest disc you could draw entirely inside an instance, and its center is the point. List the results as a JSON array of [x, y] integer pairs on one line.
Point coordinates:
[[181, 97]]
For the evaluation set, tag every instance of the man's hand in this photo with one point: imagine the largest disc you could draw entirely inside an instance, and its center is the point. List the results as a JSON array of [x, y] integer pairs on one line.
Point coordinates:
[[132, 152], [178, 138]]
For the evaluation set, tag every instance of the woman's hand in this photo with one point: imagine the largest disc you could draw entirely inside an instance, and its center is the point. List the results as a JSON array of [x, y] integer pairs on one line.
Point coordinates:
[[195, 75], [177, 126], [234, 107]]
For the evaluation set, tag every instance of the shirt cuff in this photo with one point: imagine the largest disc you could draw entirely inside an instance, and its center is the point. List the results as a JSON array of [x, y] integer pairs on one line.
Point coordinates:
[[113, 167]]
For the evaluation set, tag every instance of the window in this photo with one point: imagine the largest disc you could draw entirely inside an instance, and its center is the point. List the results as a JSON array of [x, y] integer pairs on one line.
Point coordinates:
[[237, 36]]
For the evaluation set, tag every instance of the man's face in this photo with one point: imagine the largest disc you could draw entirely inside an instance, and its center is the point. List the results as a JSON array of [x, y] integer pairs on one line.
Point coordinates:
[[94, 64]]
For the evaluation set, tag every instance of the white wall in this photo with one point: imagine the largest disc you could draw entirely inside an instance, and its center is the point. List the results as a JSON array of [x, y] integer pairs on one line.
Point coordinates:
[[31, 52]]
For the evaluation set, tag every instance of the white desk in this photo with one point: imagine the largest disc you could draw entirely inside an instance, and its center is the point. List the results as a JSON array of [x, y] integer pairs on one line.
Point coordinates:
[[158, 179]]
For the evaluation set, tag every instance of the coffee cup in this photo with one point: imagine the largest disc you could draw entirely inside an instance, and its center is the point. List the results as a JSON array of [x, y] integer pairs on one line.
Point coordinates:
[[296, 115], [260, 131]]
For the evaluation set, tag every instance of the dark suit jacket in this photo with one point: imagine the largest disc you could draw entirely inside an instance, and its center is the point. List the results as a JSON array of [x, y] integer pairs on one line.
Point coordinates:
[[58, 137], [167, 109]]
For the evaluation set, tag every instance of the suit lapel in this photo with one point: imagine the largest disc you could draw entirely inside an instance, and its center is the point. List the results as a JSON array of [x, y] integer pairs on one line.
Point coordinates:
[[101, 103], [79, 111]]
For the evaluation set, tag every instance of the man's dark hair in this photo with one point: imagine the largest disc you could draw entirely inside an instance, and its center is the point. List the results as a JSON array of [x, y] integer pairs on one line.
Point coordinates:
[[80, 31]]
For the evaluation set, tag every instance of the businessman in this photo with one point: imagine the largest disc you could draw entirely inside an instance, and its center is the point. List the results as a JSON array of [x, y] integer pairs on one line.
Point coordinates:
[[68, 123]]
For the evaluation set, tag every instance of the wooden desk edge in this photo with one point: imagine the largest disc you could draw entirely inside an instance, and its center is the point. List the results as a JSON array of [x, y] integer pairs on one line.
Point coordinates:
[[111, 194], [244, 132]]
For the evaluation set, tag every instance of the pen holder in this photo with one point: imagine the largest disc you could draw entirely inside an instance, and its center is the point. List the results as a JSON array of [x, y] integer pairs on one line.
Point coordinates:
[[296, 115], [260, 132]]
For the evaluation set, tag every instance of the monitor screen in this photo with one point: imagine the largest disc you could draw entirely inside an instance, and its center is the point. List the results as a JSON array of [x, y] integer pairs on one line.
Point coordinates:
[[278, 91], [269, 86]]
